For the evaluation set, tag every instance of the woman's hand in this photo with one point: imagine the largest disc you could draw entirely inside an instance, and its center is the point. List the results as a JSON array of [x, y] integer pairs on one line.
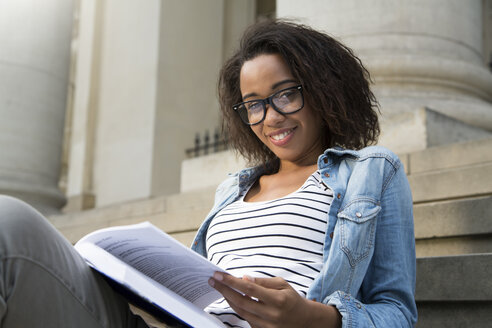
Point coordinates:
[[272, 302]]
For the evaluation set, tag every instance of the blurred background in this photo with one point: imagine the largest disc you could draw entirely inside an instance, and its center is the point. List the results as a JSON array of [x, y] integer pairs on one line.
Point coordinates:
[[109, 116]]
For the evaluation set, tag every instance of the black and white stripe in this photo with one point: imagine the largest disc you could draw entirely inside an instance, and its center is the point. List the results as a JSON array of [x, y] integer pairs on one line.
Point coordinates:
[[278, 238]]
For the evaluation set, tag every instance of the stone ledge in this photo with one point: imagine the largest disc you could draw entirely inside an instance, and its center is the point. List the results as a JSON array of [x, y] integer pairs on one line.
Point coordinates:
[[210, 170], [450, 156], [422, 128], [432, 160], [460, 182], [462, 217], [454, 278], [454, 314], [173, 214], [450, 246], [194, 199], [138, 208]]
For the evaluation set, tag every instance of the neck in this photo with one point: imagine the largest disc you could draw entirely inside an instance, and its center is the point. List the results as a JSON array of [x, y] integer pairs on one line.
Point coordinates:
[[288, 167]]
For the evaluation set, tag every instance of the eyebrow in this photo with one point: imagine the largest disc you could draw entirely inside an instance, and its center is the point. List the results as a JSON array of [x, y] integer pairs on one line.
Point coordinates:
[[274, 86]]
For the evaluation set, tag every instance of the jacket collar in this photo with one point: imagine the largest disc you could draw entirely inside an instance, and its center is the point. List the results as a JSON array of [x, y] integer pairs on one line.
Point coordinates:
[[334, 154], [328, 157]]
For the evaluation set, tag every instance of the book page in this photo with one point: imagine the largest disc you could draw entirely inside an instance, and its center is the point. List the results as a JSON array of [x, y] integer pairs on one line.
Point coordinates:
[[145, 292], [160, 257]]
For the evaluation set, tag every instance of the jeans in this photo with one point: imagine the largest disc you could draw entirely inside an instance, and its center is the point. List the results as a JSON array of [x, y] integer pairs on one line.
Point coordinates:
[[45, 283]]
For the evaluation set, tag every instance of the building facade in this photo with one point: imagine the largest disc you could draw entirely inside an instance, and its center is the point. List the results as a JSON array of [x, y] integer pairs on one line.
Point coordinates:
[[101, 99], [141, 84]]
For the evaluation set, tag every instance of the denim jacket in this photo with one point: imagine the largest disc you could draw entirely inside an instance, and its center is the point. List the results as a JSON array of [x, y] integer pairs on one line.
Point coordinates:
[[369, 250]]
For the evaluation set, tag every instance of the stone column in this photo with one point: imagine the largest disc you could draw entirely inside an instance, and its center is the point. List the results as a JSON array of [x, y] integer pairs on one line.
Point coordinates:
[[86, 45], [420, 53], [34, 61], [145, 84], [191, 52]]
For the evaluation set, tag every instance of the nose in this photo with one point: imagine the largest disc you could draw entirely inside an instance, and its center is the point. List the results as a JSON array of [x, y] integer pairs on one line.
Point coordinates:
[[272, 117]]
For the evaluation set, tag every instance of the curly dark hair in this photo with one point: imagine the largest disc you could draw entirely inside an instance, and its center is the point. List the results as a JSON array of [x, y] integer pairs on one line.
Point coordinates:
[[335, 82]]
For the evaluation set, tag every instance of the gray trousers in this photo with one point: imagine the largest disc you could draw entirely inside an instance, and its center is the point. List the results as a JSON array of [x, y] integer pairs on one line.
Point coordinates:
[[43, 280]]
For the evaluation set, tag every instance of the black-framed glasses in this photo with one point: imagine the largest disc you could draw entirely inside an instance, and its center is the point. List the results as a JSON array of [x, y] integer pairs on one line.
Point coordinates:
[[285, 101]]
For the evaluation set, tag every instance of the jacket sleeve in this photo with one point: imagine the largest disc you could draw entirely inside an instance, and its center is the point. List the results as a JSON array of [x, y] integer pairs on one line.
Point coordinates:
[[388, 288]]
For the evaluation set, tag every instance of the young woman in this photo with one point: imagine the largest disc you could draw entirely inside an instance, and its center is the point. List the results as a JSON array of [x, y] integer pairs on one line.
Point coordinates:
[[322, 235], [315, 235]]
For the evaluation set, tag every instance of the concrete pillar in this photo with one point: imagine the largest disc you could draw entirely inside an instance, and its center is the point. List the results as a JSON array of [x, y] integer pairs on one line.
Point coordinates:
[[86, 45], [34, 61], [121, 90], [145, 84], [195, 36], [421, 53]]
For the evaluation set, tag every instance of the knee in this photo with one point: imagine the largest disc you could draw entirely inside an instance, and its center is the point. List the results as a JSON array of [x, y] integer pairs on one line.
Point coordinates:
[[18, 221], [13, 209]]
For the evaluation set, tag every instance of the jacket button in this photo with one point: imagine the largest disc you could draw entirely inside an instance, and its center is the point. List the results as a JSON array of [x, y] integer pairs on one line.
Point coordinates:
[[358, 305], [339, 196], [327, 175], [331, 235], [358, 214]]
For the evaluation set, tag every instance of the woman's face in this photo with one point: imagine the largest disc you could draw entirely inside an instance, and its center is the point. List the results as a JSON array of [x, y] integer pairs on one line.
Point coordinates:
[[296, 137]]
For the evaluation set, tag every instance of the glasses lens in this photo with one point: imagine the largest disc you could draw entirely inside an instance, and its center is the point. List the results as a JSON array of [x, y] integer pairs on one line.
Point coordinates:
[[251, 111], [288, 101]]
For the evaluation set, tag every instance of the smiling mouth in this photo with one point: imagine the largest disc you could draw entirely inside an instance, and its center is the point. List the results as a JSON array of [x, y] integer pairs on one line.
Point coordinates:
[[282, 135]]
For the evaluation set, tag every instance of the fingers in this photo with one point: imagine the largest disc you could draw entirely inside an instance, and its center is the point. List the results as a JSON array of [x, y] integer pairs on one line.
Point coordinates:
[[253, 319], [244, 305], [271, 283], [259, 288], [263, 302]]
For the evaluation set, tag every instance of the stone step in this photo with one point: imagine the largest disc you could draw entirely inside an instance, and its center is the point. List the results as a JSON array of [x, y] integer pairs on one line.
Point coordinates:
[[468, 181], [454, 278], [454, 291], [452, 171], [466, 172], [454, 227], [174, 214], [209, 170], [423, 128], [453, 246], [436, 223], [432, 159], [454, 314], [75, 225], [461, 226], [102, 215], [448, 157], [451, 218]]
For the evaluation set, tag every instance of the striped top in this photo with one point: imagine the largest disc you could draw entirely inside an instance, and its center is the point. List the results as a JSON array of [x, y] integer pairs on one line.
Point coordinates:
[[283, 237]]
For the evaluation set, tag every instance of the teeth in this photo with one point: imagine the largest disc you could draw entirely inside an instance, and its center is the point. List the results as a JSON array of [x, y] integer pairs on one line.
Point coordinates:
[[281, 135]]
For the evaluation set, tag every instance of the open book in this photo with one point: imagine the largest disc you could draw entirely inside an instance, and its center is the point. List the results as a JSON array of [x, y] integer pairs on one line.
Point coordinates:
[[154, 272]]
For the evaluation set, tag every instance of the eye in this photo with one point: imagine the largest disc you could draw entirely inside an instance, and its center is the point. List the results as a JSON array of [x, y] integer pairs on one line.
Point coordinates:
[[287, 94], [285, 98], [254, 106]]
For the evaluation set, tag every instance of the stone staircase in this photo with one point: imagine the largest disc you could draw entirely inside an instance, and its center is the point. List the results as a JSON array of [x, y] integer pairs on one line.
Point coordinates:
[[454, 291], [179, 215], [452, 192]]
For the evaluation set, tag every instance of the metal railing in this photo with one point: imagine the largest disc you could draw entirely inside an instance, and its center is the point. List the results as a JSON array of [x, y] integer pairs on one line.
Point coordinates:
[[206, 144]]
